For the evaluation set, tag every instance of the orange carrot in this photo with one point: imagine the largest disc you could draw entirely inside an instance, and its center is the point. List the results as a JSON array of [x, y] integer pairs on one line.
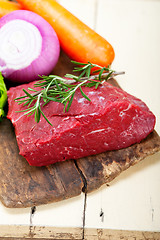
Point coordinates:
[[78, 41], [7, 7]]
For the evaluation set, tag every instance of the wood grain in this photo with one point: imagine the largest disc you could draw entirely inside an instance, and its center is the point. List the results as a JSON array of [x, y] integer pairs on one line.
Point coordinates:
[[22, 185], [37, 232]]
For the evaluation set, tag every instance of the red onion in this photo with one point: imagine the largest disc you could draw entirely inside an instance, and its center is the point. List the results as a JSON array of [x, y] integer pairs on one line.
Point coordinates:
[[28, 46]]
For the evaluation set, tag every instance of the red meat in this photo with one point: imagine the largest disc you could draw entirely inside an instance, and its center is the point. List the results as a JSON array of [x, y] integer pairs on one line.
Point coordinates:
[[112, 120]]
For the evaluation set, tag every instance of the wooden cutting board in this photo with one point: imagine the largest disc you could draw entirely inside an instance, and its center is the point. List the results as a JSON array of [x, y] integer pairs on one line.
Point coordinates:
[[22, 185]]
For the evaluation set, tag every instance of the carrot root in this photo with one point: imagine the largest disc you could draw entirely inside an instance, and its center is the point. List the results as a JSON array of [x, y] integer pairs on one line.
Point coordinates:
[[7, 7]]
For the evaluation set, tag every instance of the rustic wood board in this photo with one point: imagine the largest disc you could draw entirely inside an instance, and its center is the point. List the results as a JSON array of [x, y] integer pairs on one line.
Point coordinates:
[[9, 232], [22, 185]]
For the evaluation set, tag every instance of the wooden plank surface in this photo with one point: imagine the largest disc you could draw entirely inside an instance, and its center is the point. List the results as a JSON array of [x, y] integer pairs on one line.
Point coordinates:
[[23, 185], [41, 232]]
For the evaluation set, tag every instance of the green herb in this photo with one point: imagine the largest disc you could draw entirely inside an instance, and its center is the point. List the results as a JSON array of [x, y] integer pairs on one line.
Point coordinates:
[[3, 96], [59, 89]]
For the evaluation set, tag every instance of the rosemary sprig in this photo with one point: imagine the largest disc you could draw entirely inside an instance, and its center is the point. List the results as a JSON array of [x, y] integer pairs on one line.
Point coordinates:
[[59, 89]]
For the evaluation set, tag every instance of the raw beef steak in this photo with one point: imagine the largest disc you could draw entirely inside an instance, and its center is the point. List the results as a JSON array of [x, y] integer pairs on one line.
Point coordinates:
[[112, 120]]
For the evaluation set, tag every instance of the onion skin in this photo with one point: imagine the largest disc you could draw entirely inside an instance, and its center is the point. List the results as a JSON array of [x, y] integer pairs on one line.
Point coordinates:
[[49, 53]]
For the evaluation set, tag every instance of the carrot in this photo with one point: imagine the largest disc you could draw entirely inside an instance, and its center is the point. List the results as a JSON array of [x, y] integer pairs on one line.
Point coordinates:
[[78, 41], [7, 7]]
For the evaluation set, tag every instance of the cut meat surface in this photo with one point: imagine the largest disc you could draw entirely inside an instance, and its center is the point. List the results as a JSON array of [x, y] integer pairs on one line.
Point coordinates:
[[112, 120]]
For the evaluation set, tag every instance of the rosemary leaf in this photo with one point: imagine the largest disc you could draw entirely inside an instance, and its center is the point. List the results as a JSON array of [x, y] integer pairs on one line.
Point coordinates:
[[77, 63], [97, 84], [84, 95], [46, 118], [70, 102], [27, 94], [31, 89], [100, 73], [37, 114]]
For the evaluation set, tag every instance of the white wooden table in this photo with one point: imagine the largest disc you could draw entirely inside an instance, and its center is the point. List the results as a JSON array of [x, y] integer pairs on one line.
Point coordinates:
[[132, 201]]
